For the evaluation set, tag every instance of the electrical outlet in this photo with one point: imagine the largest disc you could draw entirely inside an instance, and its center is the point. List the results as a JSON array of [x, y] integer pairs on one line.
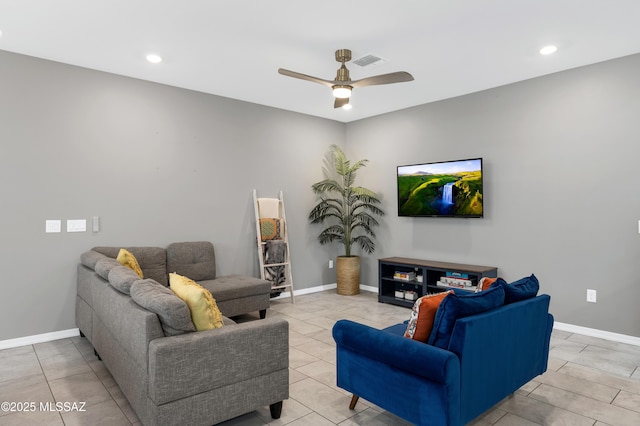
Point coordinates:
[[591, 296], [331, 264]]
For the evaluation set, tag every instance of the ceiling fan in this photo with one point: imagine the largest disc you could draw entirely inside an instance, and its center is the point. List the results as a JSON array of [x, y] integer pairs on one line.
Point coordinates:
[[343, 85]]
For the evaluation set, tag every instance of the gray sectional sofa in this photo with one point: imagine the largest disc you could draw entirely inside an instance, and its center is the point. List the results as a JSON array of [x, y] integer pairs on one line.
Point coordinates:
[[172, 376]]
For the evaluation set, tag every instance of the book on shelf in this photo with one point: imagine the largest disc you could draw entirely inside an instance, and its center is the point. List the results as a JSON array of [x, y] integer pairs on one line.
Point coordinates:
[[457, 281], [456, 275], [456, 285], [451, 281], [404, 276]]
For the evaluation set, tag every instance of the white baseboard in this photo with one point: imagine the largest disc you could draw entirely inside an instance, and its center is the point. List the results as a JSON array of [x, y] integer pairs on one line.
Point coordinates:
[[592, 332], [320, 288], [317, 289], [39, 338], [369, 288], [63, 334]]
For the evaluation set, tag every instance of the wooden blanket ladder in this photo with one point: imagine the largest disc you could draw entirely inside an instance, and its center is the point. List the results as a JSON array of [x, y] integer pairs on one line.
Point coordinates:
[[272, 235]]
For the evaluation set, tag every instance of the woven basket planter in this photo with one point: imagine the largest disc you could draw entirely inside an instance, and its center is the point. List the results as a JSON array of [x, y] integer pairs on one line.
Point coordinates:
[[348, 275]]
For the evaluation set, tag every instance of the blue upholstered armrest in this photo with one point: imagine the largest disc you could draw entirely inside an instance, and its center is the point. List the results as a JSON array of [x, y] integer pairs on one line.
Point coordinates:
[[415, 357]]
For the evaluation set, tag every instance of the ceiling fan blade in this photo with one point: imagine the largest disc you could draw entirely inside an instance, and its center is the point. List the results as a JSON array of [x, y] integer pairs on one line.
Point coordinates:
[[394, 77], [340, 102], [294, 74]]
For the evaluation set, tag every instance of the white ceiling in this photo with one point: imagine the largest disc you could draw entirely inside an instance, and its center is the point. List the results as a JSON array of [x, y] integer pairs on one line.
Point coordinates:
[[234, 48]]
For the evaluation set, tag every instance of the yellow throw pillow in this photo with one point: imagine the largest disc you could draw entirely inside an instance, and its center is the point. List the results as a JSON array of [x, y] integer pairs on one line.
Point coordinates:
[[204, 311], [126, 258]]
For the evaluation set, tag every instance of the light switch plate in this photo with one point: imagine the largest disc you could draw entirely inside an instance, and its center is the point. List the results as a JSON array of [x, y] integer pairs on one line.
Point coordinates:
[[53, 225], [76, 225]]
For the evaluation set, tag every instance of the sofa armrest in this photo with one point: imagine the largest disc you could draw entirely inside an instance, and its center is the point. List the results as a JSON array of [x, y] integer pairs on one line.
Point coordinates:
[[414, 357], [188, 364], [506, 347]]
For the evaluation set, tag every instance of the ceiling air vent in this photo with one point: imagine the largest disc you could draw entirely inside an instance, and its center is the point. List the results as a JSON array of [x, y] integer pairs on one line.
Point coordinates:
[[368, 61]]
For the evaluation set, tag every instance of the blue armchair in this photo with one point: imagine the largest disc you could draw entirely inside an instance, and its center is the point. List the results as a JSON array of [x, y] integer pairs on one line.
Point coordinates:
[[489, 356]]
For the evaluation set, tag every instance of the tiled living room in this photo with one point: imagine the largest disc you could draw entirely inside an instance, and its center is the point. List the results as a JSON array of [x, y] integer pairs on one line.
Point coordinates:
[[104, 145], [590, 381]]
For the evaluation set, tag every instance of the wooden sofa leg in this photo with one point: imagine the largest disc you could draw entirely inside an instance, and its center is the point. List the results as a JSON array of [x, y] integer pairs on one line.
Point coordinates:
[[276, 410], [354, 401], [263, 313]]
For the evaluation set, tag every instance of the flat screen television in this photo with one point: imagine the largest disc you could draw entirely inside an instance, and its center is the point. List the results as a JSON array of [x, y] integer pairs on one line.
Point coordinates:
[[442, 189]]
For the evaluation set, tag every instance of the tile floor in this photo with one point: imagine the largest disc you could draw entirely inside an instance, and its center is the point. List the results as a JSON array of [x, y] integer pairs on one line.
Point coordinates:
[[589, 381]]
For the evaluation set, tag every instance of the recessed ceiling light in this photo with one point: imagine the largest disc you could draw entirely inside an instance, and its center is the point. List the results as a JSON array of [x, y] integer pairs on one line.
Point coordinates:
[[154, 59], [347, 106], [548, 50]]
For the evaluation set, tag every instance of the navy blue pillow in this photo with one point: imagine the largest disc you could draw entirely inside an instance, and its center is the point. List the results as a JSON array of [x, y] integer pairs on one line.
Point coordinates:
[[522, 289], [456, 306]]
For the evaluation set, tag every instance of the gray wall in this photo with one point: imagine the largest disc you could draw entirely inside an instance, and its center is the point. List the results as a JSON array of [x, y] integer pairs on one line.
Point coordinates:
[[561, 186], [160, 164], [157, 164]]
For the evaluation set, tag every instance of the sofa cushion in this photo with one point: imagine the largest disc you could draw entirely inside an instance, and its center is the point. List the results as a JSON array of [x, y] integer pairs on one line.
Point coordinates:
[[195, 260], [524, 288], [90, 258], [173, 312], [121, 323], [152, 260], [121, 278], [422, 316], [236, 286], [104, 266], [129, 260], [204, 311], [456, 306]]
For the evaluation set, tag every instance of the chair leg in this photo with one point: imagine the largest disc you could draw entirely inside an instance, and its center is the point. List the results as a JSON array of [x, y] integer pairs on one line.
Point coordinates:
[[354, 401]]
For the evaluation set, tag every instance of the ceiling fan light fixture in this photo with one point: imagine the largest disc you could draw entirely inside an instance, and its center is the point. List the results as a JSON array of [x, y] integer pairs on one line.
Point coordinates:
[[548, 50], [341, 92], [342, 85], [153, 58]]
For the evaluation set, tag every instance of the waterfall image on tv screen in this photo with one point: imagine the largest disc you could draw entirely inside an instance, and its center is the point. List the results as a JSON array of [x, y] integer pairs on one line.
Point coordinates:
[[448, 188]]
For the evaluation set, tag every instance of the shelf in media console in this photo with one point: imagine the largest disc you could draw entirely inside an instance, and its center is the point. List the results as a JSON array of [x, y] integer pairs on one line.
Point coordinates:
[[414, 282]]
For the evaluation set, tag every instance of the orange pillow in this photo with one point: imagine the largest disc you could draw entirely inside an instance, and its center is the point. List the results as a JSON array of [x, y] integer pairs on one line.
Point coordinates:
[[485, 283], [423, 315]]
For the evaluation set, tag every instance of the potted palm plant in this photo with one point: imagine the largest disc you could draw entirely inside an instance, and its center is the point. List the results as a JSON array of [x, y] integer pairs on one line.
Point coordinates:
[[349, 212]]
